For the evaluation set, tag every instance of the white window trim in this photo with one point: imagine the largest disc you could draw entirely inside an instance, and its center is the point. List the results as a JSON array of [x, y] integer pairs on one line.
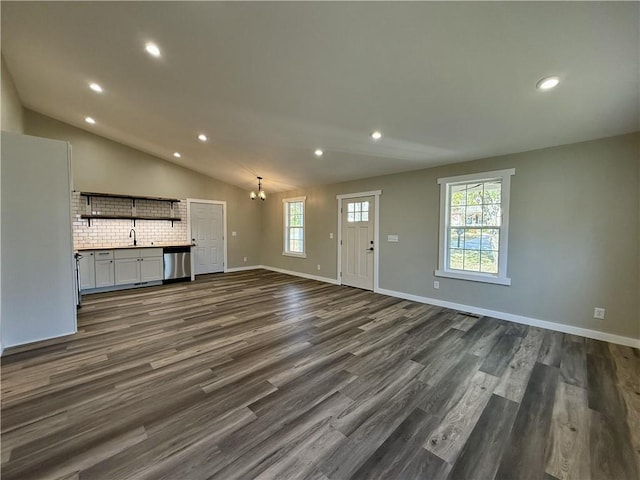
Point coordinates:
[[285, 229], [445, 184]]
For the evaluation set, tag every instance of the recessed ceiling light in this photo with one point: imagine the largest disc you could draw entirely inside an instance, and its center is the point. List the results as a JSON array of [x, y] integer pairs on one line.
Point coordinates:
[[90, 120], [177, 154], [202, 137], [95, 87], [152, 49], [377, 135], [318, 152], [547, 83]]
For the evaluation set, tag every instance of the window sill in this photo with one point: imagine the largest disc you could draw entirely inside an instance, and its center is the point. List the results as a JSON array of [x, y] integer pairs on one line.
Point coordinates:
[[474, 277], [299, 255]]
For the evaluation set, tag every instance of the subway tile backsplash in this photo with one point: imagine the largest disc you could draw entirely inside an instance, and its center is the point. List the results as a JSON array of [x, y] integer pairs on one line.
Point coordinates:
[[108, 233]]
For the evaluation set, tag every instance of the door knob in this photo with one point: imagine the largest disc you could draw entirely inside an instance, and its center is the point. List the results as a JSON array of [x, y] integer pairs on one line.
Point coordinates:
[[370, 249]]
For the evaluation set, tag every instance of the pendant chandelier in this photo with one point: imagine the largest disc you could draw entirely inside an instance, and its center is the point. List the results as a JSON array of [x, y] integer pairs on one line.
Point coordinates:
[[260, 193]]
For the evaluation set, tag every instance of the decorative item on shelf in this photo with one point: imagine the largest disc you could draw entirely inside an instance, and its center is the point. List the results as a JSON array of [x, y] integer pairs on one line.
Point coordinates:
[[261, 194]]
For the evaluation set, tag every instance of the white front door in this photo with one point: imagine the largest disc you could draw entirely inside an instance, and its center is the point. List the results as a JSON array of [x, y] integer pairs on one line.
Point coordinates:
[[357, 241], [207, 235]]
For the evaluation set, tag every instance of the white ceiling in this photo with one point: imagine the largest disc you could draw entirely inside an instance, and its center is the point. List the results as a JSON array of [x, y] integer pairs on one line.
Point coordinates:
[[271, 82]]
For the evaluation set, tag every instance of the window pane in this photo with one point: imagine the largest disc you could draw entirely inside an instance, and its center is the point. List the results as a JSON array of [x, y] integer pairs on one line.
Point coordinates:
[[472, 239], [492, 192], [490, 239], [365, 206], [472, 260], [456, 238], [458, 195], [365, 216], [474, 194], [358, 216], [296, 221], [295, 234], [455, 258], [491, 215], [351, 217], [350, 207], [296, 246], [473, 215], [457, 216], [489, 262]]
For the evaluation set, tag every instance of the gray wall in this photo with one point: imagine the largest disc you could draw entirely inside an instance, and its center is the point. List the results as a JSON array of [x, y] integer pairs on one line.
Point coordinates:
[[574, 234], [12, 112], [102, 165]]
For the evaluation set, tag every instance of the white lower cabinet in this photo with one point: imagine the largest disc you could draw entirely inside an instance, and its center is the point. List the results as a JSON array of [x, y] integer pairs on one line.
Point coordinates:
[[138, 265], [104, 268], [151, 269], [105, 273], [86, 265]]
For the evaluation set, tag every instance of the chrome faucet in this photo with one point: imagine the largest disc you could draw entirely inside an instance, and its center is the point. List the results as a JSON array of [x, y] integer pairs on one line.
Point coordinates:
[[134, 236]]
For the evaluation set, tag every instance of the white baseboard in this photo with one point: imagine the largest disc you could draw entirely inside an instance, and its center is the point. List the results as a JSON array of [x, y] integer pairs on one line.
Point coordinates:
[[332, 281], [242, 269], [534, 322]]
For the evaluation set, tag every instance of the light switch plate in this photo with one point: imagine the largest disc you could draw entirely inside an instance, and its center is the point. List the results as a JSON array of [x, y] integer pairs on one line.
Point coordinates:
[[392, 238]]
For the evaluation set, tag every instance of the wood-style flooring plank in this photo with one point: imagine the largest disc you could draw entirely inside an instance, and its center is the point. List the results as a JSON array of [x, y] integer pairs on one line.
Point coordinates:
[[525, 454], [481, 455], [568, 452]]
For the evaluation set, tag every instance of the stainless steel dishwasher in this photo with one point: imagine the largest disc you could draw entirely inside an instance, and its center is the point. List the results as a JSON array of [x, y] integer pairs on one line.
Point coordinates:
[[177, 263]]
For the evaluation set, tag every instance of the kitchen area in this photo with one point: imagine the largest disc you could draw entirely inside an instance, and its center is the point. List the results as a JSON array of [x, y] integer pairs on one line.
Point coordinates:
[[126, 241]]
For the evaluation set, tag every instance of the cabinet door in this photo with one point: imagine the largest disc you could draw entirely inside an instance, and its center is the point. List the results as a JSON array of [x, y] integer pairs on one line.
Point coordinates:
[[87, 270], [127, 270], [105, 273], [151, 269]]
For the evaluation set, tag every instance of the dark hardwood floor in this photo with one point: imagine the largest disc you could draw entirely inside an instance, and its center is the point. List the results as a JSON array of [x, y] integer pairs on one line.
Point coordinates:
[[262, 375]]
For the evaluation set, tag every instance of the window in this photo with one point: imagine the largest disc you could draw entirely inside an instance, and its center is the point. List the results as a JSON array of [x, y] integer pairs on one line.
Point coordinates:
[[294, 226], [357, 212], [474, 221]]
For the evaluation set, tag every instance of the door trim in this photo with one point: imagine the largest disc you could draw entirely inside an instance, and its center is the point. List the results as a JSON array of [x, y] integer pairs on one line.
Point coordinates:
[[376, 233], [224, 230]]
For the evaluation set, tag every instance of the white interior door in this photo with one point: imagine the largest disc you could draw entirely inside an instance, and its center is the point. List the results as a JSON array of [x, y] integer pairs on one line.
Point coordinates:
[[358, 228], [207, 234]]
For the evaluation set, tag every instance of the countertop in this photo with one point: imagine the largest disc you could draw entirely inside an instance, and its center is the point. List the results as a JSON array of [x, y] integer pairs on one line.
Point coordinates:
[[120, 247]]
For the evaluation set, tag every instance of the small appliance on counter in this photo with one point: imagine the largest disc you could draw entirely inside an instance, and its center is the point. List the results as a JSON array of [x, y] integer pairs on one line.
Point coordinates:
[[177, 264]]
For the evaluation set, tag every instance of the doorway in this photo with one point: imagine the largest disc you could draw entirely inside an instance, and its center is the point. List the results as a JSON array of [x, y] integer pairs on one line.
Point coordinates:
[[358, 240], [207, 230]]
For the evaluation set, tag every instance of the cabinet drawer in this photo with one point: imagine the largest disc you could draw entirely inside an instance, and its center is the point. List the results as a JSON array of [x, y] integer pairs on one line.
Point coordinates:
[[150, 252], [103, 254], [127, 253]]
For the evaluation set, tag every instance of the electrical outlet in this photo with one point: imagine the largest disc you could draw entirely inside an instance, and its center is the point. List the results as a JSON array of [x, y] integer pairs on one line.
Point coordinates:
[[598, 313], [245, 259], [436, 284], [331, 236], [318, 266], [234, 234]]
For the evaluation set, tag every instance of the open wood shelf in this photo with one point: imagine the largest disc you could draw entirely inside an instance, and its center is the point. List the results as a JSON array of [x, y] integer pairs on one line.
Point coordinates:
[[131, 217], [129, 197]]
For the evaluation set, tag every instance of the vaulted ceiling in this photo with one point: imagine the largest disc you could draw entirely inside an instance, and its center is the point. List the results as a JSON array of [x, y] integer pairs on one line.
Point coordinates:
[[269, 83]]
